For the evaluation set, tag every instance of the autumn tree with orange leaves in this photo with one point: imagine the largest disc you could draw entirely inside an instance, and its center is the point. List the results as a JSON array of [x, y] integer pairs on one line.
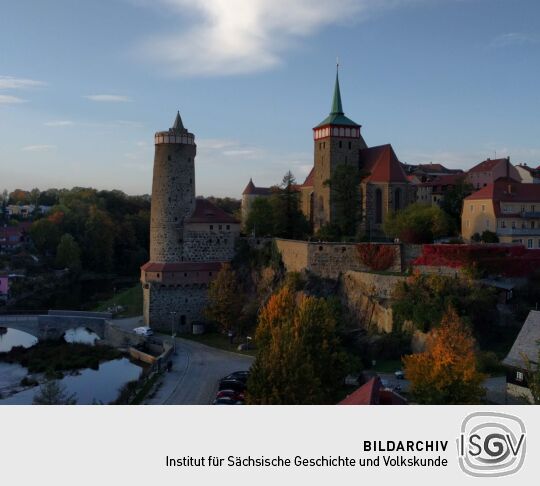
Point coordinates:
[[300, 359], [446, 373]]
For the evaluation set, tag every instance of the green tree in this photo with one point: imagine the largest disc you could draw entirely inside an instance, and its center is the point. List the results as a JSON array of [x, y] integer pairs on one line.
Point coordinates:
[[99, 238], [423, 300], [418, 223], [489, 237], [300, 358], [225, 300], [54, 393], [261, 218], [45, 235], [344, 185], [452, 201], [289, 221], [68, 253], [445, 373]]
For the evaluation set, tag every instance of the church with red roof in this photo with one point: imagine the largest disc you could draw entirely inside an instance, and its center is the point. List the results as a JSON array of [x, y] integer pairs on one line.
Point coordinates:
[[383, 188]]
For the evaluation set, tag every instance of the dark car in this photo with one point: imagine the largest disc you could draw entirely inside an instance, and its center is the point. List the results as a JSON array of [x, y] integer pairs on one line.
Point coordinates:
[[237, 375], [236, 385], [236, 395], [227, 401]]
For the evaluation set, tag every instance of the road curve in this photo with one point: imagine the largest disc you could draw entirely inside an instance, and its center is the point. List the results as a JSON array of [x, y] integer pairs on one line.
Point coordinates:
[[195, 374]]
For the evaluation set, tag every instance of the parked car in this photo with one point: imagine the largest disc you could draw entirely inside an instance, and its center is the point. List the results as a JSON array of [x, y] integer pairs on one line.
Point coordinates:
[[235, 395], [143, 331], [236, 385], [237, 375], [399, 374], [227, 401]]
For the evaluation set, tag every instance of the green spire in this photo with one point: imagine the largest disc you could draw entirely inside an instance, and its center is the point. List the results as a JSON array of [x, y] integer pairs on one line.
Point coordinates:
[[337, 108]]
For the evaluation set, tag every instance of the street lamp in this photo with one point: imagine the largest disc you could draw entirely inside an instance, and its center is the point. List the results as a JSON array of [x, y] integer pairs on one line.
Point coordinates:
[[173, 334]]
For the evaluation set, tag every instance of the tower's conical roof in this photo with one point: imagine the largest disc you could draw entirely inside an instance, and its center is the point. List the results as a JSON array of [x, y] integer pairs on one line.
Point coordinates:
[[178, 125], [337, 107], [336, 116]]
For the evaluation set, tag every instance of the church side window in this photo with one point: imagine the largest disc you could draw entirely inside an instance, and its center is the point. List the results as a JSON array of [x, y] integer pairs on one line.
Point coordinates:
[[378, 206]]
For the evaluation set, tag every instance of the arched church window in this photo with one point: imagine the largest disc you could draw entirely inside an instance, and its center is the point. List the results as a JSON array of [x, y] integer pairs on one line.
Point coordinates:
[[378, 206]]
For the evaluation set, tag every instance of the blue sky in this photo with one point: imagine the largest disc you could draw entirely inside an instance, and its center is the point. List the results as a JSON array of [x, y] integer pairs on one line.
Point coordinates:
[[84, 85]]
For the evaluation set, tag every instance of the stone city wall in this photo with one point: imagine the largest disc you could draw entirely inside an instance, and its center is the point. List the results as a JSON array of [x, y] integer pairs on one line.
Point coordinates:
[[326, 260]]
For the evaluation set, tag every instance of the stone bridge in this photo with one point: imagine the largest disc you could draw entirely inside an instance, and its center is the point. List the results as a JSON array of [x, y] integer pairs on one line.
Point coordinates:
[[54, 324]]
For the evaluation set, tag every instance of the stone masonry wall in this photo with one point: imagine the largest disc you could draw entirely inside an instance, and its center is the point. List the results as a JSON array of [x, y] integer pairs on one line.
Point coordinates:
[[187, 302], [202, 244], [326, 260]]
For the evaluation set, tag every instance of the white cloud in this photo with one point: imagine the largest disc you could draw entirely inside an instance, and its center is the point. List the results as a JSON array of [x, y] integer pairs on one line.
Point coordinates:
[[10, 100], [515, 38], [108, 98], [229, 37], [58, 123], [9, 82], [38, 148]]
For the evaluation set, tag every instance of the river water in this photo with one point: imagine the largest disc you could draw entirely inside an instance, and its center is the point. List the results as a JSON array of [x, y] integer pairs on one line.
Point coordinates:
[[90, 386]]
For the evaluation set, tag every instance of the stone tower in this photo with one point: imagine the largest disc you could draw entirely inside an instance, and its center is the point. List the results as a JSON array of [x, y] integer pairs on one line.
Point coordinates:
[[173, 192], [190, 238], [337, 140]]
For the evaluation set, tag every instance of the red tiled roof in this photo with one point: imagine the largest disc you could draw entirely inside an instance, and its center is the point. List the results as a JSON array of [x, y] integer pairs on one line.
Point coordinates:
[[181, 267], [508, 190], [251, 189], [206, 212], [373, 393], [382, 164], [487, 165], [367, 394], [309, 179]]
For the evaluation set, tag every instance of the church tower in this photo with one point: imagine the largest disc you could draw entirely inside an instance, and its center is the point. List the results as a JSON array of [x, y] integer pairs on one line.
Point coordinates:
[[173, 192], [337, 140]]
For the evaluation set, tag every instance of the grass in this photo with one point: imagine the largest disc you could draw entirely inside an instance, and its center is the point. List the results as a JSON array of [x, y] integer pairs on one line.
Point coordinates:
[[388, 365], [130, 299], [217, 340]]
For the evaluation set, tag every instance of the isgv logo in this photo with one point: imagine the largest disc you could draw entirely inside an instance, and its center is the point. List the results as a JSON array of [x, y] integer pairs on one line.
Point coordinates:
[[491, 444]]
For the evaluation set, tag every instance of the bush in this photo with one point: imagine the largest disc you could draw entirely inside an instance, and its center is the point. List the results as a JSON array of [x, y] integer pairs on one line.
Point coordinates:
[[489, 237], [392, 346], [376, 257], [488, 362]]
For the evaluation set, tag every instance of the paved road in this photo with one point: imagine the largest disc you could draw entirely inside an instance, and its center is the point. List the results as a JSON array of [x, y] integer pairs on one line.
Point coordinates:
[[196, 371]]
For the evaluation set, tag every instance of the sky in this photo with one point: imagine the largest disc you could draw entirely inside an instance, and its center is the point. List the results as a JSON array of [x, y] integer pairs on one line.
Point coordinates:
[[85, 85]]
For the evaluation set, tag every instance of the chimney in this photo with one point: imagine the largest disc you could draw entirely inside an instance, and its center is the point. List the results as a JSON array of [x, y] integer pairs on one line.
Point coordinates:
[[508, 168]]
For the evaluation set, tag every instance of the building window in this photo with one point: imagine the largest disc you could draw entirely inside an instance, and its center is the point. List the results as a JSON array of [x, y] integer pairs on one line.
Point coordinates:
[[378, 206], [209, 274], [211, 226], [513, 225], [397, 199], [228, 226], [340, 144], [350, 145], [529, 243], [483, 208], [519, 375], [472, 208], [532, 224], [168, 157], [467, 224], [503, 224], [220, 226]]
